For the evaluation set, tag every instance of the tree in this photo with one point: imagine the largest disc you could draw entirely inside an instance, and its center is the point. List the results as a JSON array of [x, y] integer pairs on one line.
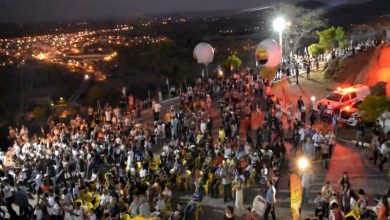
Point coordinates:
[[315, 49], [341, 37], [303, 22], [373, 106], [233, 62], [332, 37]]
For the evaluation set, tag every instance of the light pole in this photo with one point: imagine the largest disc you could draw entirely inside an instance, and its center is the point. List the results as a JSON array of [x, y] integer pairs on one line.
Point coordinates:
[[279, 24]]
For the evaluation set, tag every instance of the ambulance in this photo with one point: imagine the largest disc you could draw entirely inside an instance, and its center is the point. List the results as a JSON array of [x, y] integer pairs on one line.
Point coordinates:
[[342, 97]]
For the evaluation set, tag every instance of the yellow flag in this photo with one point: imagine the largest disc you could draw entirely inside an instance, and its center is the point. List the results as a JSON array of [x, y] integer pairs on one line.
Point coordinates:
[[354, 213], [295, 195]]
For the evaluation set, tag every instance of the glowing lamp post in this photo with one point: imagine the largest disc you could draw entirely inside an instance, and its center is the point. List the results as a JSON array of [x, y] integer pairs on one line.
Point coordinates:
[[303, 163], [279, 24]]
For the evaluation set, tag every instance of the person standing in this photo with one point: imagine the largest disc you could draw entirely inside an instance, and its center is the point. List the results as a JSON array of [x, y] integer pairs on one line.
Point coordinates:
[[296, 68], [303, 113], [312, 117], [238, 188], [174, 127], [156, 111], [270, 200], [300, 103], [8, 192], [90, 113], [335, 124], [360, 132], [329, 139], [382, 209], [295, 140], [326, 193], [385, 152], [325, 153], [306, 183], [318, 139], [226, 182], [308, 70], [375, 147]]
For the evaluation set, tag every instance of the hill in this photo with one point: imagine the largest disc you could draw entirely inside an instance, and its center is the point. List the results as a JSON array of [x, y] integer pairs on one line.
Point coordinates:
[[367, 67]]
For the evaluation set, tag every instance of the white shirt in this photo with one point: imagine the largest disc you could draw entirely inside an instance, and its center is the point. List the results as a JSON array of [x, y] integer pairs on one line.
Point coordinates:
[[134, 208], [105, 199], [302, 134], [203, 127], [317, 138], [306, 180], [329, 138], [142, 173], [144, 210], [384, 149], [92, 217], [8, 191], [78, 214], [38, 214], [54, 210], [51, 201], [228, 152], [160, 204], [298, 116]]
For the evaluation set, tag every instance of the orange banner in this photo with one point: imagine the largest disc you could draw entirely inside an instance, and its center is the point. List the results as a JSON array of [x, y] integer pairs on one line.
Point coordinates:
[[295, 195]]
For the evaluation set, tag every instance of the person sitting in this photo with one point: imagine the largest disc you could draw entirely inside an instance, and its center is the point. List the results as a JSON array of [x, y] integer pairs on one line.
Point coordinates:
[[178, 214], [229, 214], [196, 199], [335, 212], [250, 215]]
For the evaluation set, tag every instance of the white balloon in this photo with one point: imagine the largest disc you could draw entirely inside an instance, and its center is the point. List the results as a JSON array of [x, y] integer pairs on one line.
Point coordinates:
[[274, 52], [204, 53]]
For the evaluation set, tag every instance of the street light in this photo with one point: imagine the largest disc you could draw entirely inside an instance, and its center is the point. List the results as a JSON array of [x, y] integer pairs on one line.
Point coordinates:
[[279, 25], [303, 163]]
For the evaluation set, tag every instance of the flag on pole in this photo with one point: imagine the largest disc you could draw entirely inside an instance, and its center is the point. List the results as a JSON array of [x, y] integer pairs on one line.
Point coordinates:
[[203, 73], [354, 213], [124, 91], [296, 196]]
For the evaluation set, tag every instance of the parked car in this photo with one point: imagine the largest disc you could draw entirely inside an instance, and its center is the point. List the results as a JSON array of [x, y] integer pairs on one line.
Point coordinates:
[[350, 113], [342, 97]]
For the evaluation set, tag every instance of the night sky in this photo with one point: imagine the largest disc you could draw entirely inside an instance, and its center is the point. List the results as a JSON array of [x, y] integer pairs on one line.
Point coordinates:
[[21, 11]]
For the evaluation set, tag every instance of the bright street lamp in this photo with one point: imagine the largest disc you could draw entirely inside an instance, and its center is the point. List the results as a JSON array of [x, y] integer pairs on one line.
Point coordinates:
[[279, 24], [303, 163]]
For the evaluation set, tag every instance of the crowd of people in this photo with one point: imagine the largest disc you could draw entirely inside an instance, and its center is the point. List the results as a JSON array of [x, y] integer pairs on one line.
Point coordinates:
[[110, 166]]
